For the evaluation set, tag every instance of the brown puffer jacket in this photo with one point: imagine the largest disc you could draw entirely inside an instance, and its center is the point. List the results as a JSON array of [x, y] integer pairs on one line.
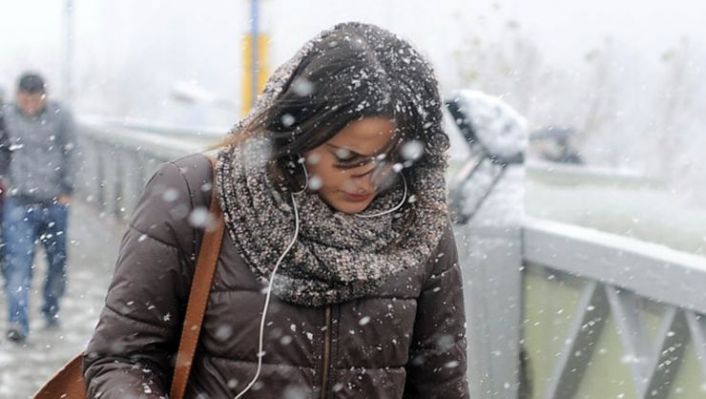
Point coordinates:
[[408, 341]]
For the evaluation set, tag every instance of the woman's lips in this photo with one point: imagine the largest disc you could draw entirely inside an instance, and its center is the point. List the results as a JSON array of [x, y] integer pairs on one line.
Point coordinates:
[[356, 197]]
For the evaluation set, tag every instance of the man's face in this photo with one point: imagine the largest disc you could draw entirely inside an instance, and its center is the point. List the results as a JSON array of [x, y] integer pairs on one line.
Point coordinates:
[[31, 103]]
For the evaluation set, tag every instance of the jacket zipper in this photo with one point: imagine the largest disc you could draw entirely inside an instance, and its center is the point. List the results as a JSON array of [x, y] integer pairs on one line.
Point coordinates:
[[327, 352]]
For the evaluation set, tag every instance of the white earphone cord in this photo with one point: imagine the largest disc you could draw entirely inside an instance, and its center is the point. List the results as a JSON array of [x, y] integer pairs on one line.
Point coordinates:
[[260, 347], [260, 350], [398, 206]]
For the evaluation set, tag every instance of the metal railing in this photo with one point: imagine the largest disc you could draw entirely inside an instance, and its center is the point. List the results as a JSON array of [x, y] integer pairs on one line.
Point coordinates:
[[554, 310], [638, 303], [117, 161]]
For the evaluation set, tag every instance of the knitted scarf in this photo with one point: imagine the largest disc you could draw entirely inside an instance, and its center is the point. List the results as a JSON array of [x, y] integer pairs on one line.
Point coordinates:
[[337, 257]]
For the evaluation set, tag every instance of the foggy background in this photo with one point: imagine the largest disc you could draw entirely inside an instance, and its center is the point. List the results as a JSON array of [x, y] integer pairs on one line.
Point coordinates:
[[626, 75]]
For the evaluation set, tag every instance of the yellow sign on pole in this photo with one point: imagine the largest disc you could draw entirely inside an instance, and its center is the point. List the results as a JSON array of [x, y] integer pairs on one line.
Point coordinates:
[[262, 71]]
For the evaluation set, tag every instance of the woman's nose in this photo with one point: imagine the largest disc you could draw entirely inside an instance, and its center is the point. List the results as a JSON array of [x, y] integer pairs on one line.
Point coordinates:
[[362, 182]]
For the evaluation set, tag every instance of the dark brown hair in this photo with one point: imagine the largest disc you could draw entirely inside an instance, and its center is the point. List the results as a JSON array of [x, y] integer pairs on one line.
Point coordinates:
[[352, 72]]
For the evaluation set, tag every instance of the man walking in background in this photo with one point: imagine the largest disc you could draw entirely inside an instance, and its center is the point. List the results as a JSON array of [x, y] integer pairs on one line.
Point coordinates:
[[39, 144]]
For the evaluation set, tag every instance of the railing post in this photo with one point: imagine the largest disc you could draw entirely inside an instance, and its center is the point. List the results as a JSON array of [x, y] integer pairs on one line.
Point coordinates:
[[488, 201], [490, 252]]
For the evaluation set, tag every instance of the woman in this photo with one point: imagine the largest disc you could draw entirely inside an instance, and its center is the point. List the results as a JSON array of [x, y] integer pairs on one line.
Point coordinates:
[[333, 197]]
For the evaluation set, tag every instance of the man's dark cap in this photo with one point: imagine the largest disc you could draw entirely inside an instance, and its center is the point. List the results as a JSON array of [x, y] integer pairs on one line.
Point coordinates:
[[31, 83]]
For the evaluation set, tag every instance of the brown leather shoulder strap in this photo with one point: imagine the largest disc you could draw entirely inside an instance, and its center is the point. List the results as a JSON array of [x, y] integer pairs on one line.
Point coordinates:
[[198, 296]]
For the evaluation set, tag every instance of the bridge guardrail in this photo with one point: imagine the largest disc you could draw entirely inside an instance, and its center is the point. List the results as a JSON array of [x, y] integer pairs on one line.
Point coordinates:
[[554, 311]]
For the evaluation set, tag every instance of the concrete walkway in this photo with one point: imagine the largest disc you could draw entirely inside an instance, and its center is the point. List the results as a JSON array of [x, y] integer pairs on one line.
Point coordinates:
[[94, 242]]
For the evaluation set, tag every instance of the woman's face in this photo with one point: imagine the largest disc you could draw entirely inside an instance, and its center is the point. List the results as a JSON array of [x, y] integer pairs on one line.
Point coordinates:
[[345, 170]]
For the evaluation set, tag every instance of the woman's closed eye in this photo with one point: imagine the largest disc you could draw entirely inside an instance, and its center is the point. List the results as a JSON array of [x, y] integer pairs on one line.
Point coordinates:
[[346, 159], [353, 162]]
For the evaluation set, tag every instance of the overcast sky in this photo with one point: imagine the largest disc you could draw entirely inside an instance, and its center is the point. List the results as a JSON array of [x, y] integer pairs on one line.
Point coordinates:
[[200, 39]]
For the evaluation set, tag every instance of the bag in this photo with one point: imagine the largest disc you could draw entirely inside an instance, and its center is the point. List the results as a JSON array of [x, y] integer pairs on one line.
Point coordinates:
[[68, 382]]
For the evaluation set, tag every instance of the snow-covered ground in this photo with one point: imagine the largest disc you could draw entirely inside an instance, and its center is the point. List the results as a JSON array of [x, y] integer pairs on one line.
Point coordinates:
[[94, 244]]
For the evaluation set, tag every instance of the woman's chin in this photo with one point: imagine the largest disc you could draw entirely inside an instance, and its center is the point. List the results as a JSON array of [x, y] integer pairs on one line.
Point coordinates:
[[353, 209], [347, 206]]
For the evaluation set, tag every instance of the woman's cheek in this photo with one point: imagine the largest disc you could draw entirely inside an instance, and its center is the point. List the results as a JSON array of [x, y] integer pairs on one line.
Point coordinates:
[[348, 186]]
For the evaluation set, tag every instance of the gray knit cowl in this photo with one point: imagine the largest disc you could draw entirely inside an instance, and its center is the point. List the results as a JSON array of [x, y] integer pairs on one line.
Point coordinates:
[[337, 257]]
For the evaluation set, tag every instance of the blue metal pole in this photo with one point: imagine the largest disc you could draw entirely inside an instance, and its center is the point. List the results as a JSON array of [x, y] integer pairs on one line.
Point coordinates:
[[253, 49]]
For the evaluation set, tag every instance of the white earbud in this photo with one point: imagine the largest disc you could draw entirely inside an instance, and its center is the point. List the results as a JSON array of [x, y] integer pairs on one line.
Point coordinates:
[[302, 161]]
